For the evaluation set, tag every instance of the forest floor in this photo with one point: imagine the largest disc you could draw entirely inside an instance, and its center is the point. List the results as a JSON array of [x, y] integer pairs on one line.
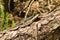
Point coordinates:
[[34, 20]]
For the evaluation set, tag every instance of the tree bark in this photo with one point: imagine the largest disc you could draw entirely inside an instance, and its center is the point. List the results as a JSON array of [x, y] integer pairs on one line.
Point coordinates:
[[47, 25]]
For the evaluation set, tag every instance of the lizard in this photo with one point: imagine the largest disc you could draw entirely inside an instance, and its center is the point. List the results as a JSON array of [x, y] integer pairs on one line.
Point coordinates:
[[25, 23]]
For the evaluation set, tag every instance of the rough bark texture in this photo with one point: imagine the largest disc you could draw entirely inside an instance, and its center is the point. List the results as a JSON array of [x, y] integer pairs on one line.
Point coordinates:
[[47, 25], [44, 25]]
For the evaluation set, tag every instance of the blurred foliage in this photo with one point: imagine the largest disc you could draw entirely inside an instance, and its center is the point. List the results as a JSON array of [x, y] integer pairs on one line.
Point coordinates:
[[13, 23], [1, 16], [4, 21]]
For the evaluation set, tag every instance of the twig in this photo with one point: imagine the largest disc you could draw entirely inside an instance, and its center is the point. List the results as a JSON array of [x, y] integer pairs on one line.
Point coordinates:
[[28, 9], [9, 5], [25, 7], [54, 8], [37, 31]]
